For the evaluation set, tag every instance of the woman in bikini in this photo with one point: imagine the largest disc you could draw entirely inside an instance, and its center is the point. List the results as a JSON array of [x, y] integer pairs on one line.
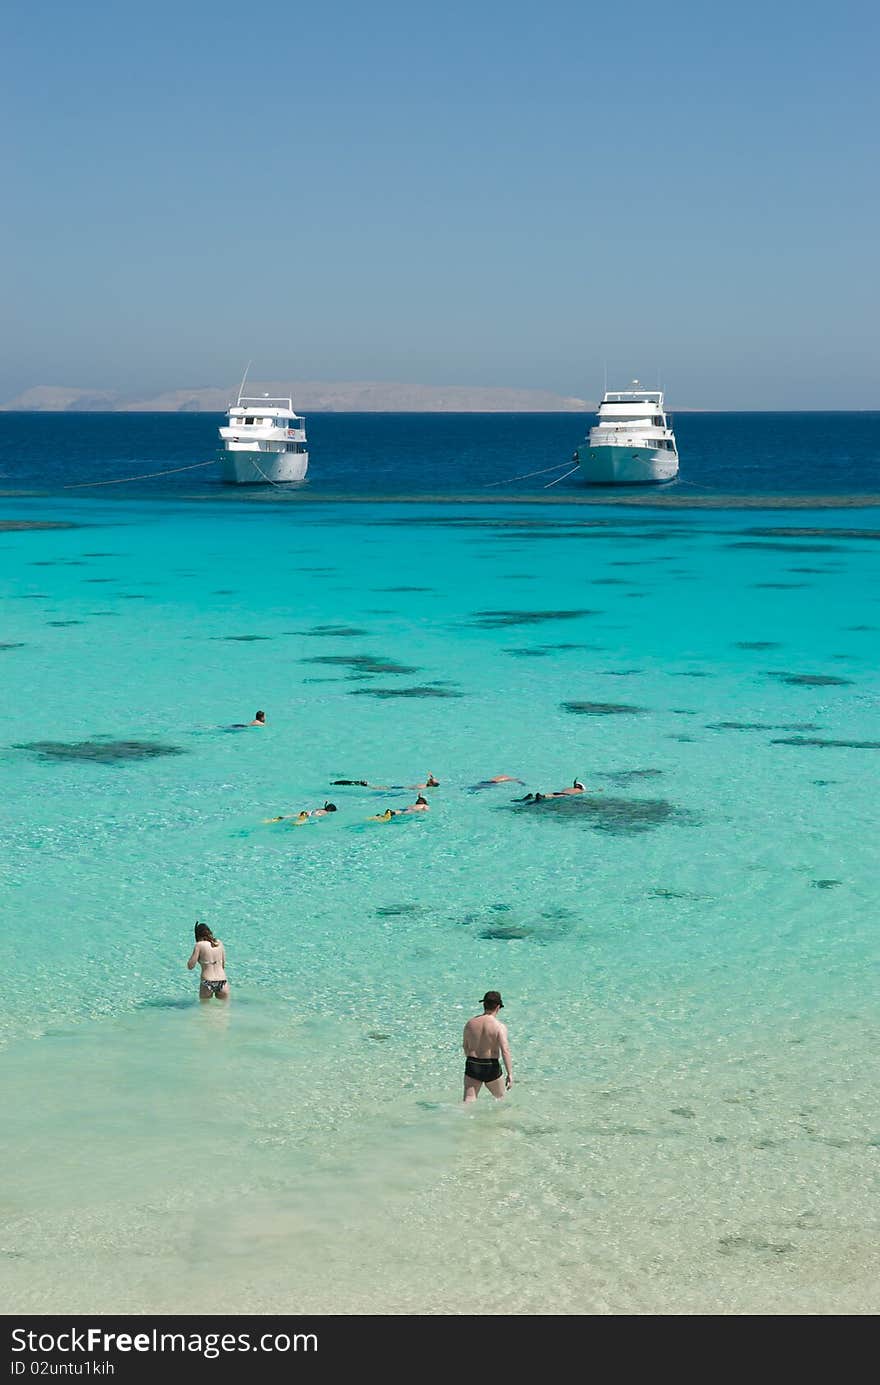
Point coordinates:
[[210, 954]]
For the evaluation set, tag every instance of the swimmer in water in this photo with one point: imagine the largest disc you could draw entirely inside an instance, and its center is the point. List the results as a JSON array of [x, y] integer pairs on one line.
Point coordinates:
[[364, 784], [210, 954], [496, 779], [300, 818], [384, 817], [421, 805], [259, 719], [430, 783], [577, 787]]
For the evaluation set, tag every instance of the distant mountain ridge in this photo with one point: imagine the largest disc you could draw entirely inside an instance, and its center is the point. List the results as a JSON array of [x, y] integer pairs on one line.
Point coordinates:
[[309, 396]]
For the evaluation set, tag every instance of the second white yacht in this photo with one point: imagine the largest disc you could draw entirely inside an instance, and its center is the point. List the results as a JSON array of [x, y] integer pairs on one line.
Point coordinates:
[[632, 443]]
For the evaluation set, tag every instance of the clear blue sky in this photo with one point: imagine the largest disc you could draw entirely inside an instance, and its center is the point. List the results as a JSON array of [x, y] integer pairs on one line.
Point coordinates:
[[485, 193]]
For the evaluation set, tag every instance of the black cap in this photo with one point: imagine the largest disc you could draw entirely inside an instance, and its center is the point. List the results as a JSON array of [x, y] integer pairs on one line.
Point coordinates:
[[493, 1000]]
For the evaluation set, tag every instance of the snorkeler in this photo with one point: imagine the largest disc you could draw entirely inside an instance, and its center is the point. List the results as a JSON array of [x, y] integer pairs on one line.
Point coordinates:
[[300, 818], [430, 783], [421, 805], [577, 787], [259, 719], [386, 816], [496, 779], [364, 784]]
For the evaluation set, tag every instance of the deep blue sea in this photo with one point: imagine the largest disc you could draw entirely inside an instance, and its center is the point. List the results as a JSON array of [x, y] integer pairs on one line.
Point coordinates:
[[374, 455], [688, 952]]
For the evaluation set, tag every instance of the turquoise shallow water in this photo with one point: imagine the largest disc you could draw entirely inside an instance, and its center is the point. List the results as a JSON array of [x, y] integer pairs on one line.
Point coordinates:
[[688, 956]]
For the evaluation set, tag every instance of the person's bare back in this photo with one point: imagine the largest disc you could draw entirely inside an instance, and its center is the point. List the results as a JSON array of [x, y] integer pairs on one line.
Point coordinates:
[[210, 954], [482, 1037], [483, 1041]]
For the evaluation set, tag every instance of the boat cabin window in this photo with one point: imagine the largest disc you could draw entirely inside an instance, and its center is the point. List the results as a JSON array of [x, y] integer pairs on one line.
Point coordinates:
[[249, 419], [658, 421]]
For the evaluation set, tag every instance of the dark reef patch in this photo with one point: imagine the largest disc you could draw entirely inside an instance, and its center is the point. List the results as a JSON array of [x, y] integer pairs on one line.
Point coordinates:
[[602, 709], [661, 893], [827, 744], [541, 650], [17, 526], [761, 726], [807, 532], [785, 547], [365, 664], [505, 932], [860, 628], [620, 672], [781, 586], [691, 673], [422, 690], [626, 776], [327, 631], [757, 644], [499, 620], [403, 589], [620, 817], [825, 884], [810, 680], [60, 623], [393, 911], [100, 752], [241, 639], [12, 644]]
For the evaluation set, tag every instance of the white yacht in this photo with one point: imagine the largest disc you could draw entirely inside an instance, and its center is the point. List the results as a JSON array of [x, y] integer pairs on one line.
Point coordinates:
[[264, 442], [631, 443]]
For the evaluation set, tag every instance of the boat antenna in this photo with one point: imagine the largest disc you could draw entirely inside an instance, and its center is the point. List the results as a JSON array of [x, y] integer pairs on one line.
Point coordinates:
[[605, 390], [243, 378]]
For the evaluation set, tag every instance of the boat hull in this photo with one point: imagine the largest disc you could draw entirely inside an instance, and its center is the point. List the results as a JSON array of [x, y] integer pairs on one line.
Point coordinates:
[[246, 467], [626, 466]]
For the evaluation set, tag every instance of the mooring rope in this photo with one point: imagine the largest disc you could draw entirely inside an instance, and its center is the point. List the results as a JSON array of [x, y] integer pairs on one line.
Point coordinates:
[[121, 481], [557, 467], [276, 484], [561, 478]]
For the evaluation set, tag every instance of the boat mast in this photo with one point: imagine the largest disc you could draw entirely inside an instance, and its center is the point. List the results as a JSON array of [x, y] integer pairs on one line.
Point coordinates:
[[243, 379]]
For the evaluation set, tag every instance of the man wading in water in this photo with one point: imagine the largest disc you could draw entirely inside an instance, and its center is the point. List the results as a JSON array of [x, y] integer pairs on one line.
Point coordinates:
[[484, 1038]]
